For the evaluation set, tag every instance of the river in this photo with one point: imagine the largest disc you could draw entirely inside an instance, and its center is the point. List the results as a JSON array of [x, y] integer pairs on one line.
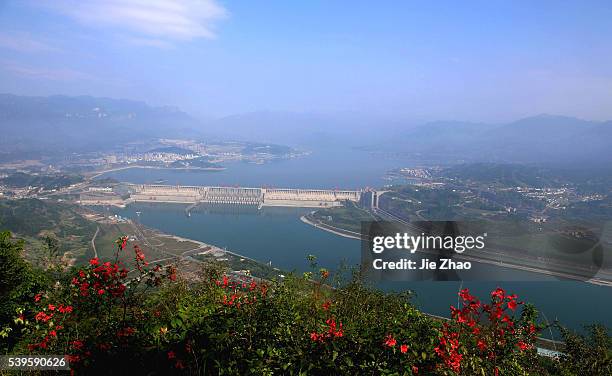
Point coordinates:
[[277, 235]]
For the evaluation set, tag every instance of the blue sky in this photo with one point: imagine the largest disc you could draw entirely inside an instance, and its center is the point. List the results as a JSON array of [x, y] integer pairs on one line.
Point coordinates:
[[479, 61]]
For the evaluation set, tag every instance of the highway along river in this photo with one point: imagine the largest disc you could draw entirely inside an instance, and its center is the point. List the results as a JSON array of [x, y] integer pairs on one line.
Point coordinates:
[[278, 235]]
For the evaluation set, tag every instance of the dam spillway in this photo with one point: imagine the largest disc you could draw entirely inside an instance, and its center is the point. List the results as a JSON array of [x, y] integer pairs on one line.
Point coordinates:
[[308, 198]]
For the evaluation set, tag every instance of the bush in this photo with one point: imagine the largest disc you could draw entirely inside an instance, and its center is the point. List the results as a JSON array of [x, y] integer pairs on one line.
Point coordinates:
[[110, 322], [586, 355], [19, 281]]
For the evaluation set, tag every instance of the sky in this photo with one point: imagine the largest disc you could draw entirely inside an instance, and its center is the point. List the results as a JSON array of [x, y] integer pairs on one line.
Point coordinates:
[[488, 61]]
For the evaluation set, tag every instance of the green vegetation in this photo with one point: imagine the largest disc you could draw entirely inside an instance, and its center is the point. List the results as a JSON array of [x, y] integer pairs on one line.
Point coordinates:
[[19, 281], [200, 162], [272, 149], [435, 204], [155, 321], [47, 182], [346, 217], [33, 220], [172, 150], [510, 175]]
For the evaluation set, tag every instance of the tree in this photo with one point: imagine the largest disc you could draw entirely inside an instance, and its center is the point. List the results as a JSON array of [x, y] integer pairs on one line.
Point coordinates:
[[19, 282]]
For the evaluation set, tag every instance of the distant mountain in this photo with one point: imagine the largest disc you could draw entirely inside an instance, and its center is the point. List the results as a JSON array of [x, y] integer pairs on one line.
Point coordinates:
[[267, 126], [446, 136], [303, 129], [85, 123], [172, 150], [542, 139]]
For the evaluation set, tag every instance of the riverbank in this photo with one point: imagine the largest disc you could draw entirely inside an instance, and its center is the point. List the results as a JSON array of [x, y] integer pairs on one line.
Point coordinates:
[[480, 258], [325, 227], [100, 173]]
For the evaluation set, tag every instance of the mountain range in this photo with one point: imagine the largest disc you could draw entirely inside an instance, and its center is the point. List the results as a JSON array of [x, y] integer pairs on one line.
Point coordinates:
[[88, 123], [85, 123], [542, 139]]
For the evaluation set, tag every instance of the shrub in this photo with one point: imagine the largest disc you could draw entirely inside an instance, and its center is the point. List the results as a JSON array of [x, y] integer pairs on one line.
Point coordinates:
[[149, 321]]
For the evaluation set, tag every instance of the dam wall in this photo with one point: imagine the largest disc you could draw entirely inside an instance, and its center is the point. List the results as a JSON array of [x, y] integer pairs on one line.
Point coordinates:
[[310, 198]]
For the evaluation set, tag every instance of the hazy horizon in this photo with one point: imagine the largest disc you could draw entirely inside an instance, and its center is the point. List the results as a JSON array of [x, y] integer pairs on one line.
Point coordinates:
[[480, 62]]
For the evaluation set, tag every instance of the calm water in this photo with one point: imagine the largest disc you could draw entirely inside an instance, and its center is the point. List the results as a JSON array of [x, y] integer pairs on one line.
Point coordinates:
[[347, 169], [277, 234]]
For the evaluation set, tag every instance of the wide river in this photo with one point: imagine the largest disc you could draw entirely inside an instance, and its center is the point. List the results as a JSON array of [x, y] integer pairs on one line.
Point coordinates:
[[278, 236]]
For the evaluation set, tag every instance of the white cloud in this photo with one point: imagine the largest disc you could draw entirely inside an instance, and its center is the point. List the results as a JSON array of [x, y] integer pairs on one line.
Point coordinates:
[[23, 42], [156, 21]]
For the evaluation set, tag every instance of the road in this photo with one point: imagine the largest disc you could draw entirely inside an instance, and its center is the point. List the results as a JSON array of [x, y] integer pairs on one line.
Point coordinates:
[[495, 258], [93, 242]]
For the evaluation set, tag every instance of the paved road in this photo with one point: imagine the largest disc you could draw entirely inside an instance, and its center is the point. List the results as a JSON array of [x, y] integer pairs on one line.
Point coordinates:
[[93, 242]]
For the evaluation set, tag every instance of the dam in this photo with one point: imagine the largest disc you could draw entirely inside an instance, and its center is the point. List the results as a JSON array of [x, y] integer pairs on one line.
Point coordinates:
[[289, 197]]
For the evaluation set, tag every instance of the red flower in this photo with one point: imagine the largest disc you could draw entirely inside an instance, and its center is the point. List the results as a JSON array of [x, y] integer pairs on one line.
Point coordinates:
[[77, 344], [121, 242], [390, 341], [104, 346], [101, 292], [94, 261], [324, 273], [51, 307], [37, 297], [64, 309], [512, 304], [171, 355], [415, 370], [41, 316], [53, 333], [403, 349], [126, 332], [498, 293], [465, 295], [523, 346], [532, 328], [481, 345], [326, 305]]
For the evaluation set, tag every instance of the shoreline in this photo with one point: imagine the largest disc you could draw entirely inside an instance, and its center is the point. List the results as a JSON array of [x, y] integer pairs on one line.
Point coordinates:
[[531, 269], [100, 173], [545, 344], [331, 229], [201, 244]]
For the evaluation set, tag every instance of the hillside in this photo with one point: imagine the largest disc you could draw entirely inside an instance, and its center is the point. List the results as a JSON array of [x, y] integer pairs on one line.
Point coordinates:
[[542, 139], [85, 123], [31, 219]]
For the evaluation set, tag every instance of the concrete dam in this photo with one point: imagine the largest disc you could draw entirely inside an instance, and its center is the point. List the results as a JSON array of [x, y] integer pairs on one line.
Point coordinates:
[[308, 198]]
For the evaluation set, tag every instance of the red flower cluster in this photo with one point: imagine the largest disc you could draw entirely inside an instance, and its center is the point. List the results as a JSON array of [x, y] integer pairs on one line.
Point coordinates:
[[334, 330], [242, 292], [100, 279], [128, 331], [140, 258], [448, 349], [121, 242], [45, 315], [326, 305], [488, 326], [390, 342]]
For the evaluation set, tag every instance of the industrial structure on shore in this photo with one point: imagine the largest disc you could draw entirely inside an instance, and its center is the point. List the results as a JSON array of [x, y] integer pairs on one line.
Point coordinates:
[[309, 198]]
